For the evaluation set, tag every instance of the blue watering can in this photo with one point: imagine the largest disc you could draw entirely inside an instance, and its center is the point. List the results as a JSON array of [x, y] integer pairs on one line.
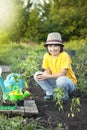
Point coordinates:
[[8, 85]]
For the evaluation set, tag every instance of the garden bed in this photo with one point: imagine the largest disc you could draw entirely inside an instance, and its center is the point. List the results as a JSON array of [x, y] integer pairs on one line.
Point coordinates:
[[50, 117]]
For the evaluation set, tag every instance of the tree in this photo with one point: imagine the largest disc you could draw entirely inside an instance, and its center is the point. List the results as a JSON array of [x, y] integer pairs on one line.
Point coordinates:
[[32, 31], [66, 17]]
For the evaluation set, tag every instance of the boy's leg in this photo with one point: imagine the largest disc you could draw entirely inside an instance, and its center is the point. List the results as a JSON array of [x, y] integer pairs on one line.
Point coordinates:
[[67, 84], [47, 85]]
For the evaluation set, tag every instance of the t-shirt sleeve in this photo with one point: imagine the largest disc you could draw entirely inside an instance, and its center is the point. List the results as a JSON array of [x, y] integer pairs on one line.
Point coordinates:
[[66, 62]]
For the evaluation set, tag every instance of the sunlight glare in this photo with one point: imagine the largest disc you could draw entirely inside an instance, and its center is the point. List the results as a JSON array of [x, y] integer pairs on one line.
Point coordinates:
[[6, 12]]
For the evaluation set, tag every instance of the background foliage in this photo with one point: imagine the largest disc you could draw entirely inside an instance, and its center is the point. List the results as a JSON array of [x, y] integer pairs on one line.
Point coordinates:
[[32, 22]]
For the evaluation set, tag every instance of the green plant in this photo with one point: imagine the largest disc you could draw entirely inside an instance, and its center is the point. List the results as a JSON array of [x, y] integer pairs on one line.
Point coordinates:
[[58, 97], [19, 123], [11, 123], [80, 69], [75, 104], [18, 78], [59, 126], [75, 107], [33, 126], [32, 63]]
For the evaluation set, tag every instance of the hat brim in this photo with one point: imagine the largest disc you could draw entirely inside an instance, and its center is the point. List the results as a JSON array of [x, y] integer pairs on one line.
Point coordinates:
[[53, 43]]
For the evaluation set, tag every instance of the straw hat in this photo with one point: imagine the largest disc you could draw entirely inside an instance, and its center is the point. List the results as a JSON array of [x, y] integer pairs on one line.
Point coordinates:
[[54, 38]]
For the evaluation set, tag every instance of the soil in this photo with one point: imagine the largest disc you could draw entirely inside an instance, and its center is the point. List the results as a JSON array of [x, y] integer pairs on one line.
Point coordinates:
[[50, 117]]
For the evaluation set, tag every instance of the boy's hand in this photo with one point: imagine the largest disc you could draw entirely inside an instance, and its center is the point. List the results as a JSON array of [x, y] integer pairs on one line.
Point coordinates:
[[42, 76]]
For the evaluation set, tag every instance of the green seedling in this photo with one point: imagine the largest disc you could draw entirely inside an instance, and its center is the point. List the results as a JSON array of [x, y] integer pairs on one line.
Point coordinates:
[[75, 107], [58, 97]]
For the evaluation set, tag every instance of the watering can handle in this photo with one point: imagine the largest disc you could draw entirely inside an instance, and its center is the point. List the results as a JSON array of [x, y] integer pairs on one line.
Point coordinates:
[[1, 81], [0, 71]]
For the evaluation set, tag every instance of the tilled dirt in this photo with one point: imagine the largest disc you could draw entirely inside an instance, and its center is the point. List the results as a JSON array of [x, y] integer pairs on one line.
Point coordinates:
[[50, 117]]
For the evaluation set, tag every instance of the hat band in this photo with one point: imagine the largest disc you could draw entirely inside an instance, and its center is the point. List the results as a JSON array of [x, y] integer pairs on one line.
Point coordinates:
[[54, 41]]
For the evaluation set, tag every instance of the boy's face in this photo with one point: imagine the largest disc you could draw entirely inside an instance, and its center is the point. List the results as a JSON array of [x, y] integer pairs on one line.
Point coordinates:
[[54, 49]]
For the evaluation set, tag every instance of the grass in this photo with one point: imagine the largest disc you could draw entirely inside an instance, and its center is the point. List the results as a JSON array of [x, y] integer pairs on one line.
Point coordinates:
[[12, 54], [75, 44]]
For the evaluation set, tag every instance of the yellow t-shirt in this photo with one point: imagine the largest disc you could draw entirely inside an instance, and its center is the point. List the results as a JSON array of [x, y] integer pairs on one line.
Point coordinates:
[[63, 61]]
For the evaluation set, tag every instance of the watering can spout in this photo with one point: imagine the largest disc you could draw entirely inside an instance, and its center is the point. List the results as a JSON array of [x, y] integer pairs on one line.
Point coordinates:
[[2, 84], [26, 94]]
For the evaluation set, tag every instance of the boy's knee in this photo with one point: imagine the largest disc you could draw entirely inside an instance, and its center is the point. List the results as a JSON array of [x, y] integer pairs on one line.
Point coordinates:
[[61, 81], [37, 73]]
